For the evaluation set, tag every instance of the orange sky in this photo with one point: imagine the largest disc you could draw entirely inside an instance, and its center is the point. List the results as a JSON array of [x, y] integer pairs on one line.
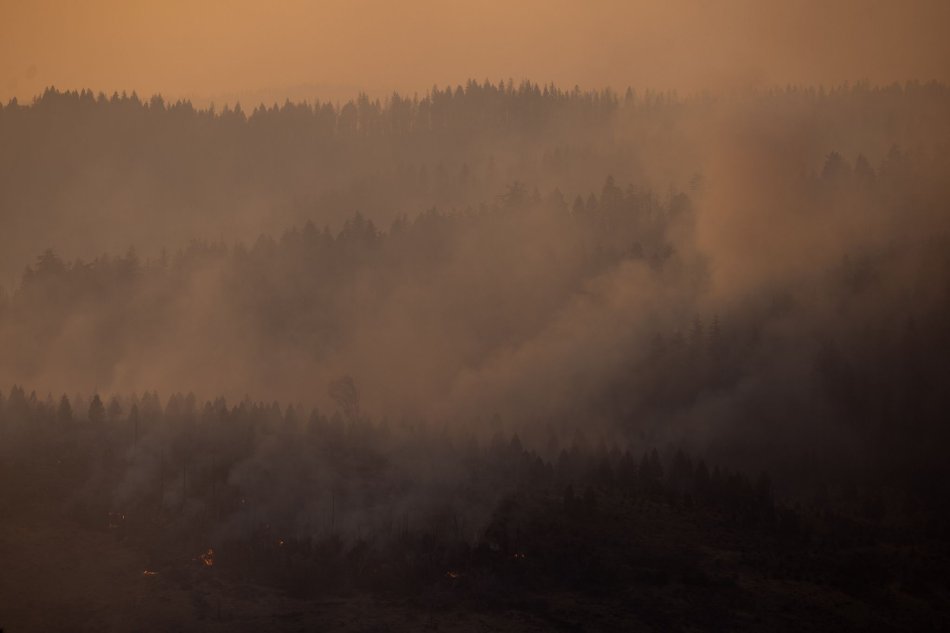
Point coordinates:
[[227, 49]]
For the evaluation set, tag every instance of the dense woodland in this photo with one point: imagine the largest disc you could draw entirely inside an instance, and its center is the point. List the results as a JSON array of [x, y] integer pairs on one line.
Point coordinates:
[[317, 506], [536, 309], [491, 345], [91, 173]]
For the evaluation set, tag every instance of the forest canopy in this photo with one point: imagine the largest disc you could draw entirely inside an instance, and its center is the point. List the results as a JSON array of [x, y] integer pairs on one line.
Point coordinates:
[[487, 346], [654, 265]]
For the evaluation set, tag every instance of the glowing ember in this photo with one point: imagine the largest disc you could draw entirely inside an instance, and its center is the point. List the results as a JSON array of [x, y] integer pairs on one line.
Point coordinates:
[[115, 520], [280, 542], [149, 572], [453, 574], [207, 559]]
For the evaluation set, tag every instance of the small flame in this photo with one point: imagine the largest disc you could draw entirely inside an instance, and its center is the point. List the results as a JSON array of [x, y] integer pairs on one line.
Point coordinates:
[[207, 559], [115, 520], [280, 542], [453, 574], [149, 572]]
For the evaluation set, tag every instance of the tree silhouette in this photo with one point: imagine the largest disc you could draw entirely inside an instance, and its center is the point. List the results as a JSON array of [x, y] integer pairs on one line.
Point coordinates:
[[344, 392], [64, 413], [97, 412]]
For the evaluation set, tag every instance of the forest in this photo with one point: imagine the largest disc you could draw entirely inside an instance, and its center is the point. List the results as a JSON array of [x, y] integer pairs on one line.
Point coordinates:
[[496, 357]]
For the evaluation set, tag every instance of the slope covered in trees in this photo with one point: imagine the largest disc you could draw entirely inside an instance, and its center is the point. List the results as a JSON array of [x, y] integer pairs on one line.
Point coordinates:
[[510, 348], [92, 173], [204, 500], [608, 310]]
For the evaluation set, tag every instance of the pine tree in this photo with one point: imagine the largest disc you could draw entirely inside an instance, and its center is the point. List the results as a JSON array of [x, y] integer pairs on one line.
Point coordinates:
[[65, 411], [97, 412]]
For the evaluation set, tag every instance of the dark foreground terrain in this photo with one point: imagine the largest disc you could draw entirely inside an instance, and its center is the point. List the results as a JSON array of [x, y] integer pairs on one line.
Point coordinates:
[[589, 540], [662, 568]]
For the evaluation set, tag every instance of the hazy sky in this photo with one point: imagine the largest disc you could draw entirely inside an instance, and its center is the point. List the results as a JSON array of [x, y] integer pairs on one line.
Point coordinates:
[[253, 49]]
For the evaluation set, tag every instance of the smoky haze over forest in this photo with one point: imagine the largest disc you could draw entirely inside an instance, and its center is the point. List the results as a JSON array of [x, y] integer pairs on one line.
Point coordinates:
[[485, 249], [299, 311]]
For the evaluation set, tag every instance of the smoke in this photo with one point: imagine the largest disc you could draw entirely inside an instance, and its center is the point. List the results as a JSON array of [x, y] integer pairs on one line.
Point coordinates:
[[761, 242]]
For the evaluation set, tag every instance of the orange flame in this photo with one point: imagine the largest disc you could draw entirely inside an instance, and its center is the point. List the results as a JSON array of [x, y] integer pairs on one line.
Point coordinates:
[[207, 559], [115, 520]]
